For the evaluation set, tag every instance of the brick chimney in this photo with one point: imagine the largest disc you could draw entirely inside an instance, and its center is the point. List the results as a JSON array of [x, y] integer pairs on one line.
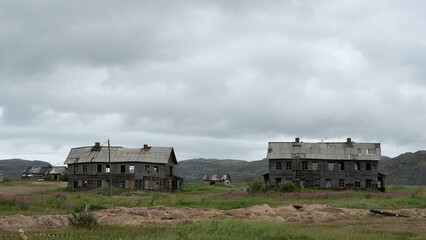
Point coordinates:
[[146, 147], [97, 146], [297, 140], [348, 140]]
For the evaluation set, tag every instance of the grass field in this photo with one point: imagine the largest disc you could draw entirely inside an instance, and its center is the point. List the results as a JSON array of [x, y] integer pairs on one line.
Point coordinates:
[[60, 201]]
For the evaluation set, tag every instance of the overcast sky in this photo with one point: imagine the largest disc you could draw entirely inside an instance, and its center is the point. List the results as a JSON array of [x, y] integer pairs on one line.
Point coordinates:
[[213, 79]]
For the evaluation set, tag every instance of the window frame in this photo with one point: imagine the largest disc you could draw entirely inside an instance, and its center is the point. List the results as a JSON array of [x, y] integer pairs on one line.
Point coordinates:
[[132, 169], [278, 165]]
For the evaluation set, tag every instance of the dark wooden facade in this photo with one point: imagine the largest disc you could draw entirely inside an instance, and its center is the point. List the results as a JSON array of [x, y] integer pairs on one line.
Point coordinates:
[[335, 173]]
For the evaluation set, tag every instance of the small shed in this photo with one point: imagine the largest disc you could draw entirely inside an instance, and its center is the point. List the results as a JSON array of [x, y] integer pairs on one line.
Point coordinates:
[[57, 172], [211, 179]]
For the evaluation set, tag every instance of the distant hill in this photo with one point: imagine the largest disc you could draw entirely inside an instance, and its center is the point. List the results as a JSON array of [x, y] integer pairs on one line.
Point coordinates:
[[13, 168], [405, 169], [193, 170]]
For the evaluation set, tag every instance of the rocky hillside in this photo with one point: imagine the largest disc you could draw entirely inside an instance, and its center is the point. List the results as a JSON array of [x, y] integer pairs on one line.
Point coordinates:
[[13, 168], [406, 169]]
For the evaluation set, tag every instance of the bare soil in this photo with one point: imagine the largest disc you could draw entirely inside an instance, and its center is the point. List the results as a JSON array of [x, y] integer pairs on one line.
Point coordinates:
[[308, 214]]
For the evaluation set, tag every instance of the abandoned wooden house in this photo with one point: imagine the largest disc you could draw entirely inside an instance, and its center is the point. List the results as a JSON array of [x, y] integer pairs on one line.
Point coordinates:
[[211, 179], [148, 168], [325, 165], [40, 173]]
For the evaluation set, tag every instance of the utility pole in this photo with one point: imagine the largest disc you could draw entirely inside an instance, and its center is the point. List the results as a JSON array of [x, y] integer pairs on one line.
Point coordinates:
[[110, 170]]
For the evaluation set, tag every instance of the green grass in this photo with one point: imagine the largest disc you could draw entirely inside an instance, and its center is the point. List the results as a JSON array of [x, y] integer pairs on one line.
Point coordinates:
[[231, 230]]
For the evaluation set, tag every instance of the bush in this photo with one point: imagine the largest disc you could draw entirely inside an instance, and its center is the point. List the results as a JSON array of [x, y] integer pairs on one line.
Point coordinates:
[[81, 220], [258, 187], [64, 178], [286, 187]]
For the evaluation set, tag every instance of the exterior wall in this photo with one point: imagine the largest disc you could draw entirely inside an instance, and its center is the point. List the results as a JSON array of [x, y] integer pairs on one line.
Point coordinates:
[[149, 176], [306, 177], [1, 176]]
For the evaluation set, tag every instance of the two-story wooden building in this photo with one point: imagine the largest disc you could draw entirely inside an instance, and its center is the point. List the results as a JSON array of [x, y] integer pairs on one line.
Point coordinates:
[[325, 165], [149, 168]]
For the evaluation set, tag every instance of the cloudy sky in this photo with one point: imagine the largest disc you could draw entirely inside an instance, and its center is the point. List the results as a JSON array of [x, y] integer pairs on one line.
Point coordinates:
[[213, 79]]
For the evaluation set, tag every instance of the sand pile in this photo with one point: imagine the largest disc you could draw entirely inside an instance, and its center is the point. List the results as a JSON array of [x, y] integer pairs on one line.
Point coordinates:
[[173, 216]]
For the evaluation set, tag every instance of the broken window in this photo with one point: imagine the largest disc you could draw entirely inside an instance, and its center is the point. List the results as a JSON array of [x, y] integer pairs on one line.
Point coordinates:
[[330, 166], [123, 168], [131, 169], [84, 184], [341, 183], [358, 150], [98, 184], [371, 151], [368, 166], [75, 169], [85, 168], [316, 183], [288, 165], [341, 166], [122, 184], [147, 169], [278, 165], [368, 183], [304, 165], [99, 168], [357, 183], [328, 183], [356, 166], [107, 169], [156, 169], [315, 166], [75, 184]]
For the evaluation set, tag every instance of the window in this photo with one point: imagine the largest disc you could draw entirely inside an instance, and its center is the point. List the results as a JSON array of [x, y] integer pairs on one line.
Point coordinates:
[[341, 183], [316, 183], [84, 184], [131, 169], [98, 184], [304, 165], [123, 168], [368, 166], [75, 169], [302, 183], [277, 180], [379, 184], [85, 168], [328, 183], [75, 184], [278, 165], [147, 169], [341, 166], [368, 183], [357, 183], [358, 151], [156, 169], [99, 168], [288, 165], [356, 166], [371, 151], [122, 184], [315, 166], [107, 169], [330, 166]]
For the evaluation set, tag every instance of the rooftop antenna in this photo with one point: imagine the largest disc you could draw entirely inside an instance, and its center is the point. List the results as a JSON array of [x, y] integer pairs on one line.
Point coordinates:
[[322, 140]]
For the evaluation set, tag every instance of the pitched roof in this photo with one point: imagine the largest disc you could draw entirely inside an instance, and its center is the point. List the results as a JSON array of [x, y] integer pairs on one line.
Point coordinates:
[[324, 150], [36, 170], [120, 154], [58, 170]]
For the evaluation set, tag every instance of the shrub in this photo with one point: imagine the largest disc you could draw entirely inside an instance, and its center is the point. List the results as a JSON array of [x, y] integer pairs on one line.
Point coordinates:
[[64, 178], [286, 187], [258, 187], [81, 220]]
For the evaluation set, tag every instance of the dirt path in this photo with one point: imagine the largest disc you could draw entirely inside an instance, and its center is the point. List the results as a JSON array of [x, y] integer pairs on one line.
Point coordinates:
[[306, 213]]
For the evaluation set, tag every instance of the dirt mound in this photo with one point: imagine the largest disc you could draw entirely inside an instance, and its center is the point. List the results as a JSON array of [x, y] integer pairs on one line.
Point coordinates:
[[173, 216]]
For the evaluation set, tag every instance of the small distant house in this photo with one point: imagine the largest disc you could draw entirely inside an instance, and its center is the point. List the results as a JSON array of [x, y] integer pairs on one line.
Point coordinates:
[[1, 176], [211, 179], [39, 173], [57, 172], [325, 165], [148, 168]]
